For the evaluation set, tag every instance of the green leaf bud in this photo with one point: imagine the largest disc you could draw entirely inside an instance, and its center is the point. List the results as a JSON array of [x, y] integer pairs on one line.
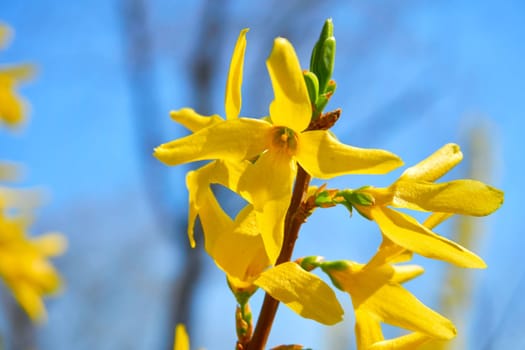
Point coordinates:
[[312, 84], [309, 263], [325, 63]]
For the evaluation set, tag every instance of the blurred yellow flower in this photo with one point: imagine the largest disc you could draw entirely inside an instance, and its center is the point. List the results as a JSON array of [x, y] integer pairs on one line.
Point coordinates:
[[416, 190], [24, 265], [12, 106]]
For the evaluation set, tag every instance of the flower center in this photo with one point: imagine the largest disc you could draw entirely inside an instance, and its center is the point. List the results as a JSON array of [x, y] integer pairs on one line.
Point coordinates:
[[284, 139]]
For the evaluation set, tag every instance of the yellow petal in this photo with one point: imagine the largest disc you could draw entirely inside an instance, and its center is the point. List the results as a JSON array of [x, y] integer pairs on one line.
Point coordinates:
[[405, 342], [213, 219], [374, 291], [389, 253], [435, 219], [236, 246], [181, 341], [324, 157], [193, 121], [50, 244], [270, 220], [198, 183], [30, 300], [303, 292], [268, 186], [18, 72], [436, 165], [240, 251], [233, 100], [12, 107], [466, 197], [396, 306], [404, 273], [407, 232], [236, 140], [367, 329], [291, 106]]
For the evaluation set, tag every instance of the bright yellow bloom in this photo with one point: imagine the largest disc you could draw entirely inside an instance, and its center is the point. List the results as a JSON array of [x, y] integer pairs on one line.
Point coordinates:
[[276, 146], [24, 265], [12, 107], [182, 340], [416, 190], [377, 296], [237, 248]]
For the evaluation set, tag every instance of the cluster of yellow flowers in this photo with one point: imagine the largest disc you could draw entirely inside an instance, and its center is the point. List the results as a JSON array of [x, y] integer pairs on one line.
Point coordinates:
[[261, 159], [24, 265]]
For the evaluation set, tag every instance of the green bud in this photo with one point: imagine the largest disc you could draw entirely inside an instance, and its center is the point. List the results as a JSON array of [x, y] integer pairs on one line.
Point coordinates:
[[312, 84], [325, 63], [323, 56], [242, 295], [337, 265], [326, 32], [309, 263]]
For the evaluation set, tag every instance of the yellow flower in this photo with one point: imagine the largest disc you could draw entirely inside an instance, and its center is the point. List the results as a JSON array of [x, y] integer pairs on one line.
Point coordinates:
[[416, 190], [24, 265], [12, 107], [276, 146], [237, 248], [377, 296], [181, 341]]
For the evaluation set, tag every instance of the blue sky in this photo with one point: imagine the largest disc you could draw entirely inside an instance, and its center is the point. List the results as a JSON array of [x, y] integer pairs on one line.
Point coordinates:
[[410, 79]]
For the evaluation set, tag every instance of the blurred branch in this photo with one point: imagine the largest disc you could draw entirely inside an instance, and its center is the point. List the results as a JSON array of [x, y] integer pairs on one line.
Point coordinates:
[[140, 57], [21, 329]]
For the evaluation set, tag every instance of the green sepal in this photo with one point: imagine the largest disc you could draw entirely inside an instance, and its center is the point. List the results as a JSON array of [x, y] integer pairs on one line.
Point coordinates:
[[356, 197], [339, 265], [324, 199], [312, 84], [242, 296]]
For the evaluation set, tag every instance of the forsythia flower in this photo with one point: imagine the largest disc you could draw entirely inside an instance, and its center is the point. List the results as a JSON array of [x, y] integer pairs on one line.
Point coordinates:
[[377, 296], [276, 146], [11, 105], [24, 265], [416, 190], [237, 248]]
